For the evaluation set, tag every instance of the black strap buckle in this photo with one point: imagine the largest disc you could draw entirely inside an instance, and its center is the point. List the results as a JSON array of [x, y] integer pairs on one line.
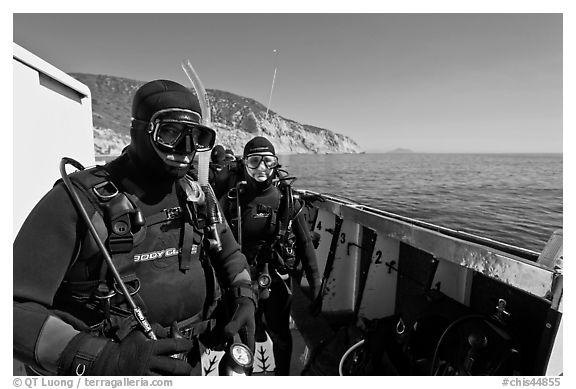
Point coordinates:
[[120, 244]]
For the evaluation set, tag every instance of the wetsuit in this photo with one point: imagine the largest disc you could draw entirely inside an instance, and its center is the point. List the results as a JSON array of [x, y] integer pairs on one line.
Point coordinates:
[[58, 267], [262, 207]]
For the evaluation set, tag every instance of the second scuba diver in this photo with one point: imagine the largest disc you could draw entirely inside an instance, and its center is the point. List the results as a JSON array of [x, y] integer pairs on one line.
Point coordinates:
[[273, 235]]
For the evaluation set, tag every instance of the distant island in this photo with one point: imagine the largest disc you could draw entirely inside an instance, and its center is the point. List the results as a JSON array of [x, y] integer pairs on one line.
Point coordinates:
[[400, 151]]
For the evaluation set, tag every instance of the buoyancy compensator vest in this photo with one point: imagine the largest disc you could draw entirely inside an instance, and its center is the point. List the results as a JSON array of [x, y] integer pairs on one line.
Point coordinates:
[[156, 248], [265, 217]]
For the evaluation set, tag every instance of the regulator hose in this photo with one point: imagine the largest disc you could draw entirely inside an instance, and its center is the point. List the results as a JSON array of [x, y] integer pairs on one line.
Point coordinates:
[[136, 311], [346, 354]]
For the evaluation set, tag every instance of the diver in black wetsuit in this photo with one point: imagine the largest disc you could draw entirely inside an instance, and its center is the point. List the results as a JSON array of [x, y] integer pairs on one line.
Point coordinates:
[[69, 317], [274, 236], [217, 158]]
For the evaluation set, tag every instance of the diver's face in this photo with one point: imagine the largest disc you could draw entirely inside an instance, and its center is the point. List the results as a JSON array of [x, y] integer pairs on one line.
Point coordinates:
[[175, 164], [260, 166], [175, 159], [176, 136]]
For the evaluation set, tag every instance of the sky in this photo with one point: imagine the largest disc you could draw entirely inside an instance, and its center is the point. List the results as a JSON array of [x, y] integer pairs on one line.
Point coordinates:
[[431, 82]]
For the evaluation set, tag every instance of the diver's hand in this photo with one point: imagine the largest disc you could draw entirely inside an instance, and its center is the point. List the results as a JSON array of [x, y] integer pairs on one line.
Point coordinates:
[[135, 355], [243, 313]]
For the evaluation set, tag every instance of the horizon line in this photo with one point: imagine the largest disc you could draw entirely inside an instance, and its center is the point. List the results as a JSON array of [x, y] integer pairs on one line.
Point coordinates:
[[459, 152]]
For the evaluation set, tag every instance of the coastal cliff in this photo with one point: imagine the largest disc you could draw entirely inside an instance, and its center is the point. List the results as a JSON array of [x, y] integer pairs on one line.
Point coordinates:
[[235, 119]]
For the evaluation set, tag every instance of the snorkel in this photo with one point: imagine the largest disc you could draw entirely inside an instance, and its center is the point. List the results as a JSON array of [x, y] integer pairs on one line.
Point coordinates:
[[213, 215], [238, 358]]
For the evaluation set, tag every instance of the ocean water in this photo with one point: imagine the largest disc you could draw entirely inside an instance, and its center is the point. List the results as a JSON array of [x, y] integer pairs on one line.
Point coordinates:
[[511, 198]]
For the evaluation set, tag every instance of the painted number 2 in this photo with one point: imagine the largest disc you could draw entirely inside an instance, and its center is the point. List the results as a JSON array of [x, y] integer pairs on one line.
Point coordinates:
[[378, 257]]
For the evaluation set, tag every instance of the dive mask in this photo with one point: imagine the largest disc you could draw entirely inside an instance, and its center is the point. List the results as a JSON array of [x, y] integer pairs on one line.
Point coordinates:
[[171, 127], [254, 160]]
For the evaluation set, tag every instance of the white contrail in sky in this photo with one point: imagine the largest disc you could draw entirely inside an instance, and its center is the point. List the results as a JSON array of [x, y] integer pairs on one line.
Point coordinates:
[[276, 53]]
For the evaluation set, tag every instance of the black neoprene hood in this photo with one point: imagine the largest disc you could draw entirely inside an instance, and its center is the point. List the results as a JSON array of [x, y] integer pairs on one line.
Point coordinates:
[[156, 97], [218, 154], [162, 94], [257, 145]]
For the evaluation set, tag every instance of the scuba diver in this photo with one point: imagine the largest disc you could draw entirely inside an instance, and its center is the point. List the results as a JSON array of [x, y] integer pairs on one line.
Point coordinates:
[[71, 311], [217, 158], [229, 156], [264, 215]]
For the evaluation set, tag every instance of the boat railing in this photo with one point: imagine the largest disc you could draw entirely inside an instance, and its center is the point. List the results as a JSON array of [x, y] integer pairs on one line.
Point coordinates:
[[528, 254]]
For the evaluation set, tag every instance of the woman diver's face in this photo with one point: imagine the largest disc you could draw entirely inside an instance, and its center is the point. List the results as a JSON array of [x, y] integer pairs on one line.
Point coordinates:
[[261, 172]]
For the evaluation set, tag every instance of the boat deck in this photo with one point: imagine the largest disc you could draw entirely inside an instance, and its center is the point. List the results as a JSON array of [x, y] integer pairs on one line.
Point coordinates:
[[308, 330]]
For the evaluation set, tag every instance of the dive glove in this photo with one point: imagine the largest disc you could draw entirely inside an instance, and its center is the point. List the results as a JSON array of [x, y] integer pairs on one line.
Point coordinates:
[[135, 355], [244, 302]]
